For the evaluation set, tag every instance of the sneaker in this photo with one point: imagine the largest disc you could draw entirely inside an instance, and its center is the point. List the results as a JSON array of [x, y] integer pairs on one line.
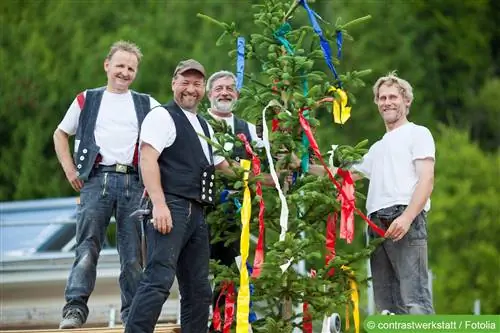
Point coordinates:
[[72, 319]]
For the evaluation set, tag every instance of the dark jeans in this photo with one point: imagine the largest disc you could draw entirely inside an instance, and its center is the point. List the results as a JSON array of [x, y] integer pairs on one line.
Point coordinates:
[[102, 196], [399, 269], [183, 252]]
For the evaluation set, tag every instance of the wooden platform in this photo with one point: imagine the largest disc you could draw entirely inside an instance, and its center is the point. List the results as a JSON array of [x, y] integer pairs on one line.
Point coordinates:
[[160, 328]]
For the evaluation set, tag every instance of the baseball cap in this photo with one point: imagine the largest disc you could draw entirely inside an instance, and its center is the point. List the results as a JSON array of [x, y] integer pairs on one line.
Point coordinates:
[[190, 64]]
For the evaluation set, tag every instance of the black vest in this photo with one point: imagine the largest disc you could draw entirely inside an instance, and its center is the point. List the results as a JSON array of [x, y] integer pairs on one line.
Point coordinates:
[[86, 154], [182, 164], [241, 127]]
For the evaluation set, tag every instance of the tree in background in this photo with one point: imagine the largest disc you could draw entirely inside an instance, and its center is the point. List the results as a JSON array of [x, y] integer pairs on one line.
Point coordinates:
[[463, 242], [300, 219]]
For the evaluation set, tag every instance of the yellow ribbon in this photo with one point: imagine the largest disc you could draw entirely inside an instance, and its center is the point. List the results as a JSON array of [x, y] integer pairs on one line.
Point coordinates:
[[355, 300], [243, 302], [341, 112]]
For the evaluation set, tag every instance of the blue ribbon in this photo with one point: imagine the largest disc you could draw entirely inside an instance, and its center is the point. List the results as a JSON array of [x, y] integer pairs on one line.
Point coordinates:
[[325, 46], [240, 62], [252, 316], [340, 40], [224, 196]]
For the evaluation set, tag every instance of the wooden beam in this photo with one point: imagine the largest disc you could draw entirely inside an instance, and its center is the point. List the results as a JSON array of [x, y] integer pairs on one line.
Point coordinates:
[[160, 328]]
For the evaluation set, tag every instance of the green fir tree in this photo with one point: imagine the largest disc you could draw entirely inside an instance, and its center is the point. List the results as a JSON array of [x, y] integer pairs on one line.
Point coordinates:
[[292, 74]]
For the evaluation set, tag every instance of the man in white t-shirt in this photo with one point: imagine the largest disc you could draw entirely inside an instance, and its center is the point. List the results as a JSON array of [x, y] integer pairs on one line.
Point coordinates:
[[106, 122], [400, 167], [177, 167]]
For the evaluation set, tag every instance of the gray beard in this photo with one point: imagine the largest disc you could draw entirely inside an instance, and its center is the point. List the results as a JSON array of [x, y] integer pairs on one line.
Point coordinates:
[[223, 107]]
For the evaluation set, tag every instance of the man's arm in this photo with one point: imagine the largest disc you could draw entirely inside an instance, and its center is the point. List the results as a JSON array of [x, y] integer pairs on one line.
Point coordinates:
[[425, 173], [61, 146], [225, 167], [319, 170], [150, 171]]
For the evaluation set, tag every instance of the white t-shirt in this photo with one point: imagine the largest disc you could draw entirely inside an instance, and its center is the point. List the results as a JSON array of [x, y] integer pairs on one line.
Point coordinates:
[[389, 164], [116, 130], [158, 129], [251, 128]]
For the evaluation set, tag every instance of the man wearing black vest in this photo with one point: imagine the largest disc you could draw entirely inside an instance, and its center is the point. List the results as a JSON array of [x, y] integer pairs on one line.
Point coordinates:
[[222, 93], [177, 166], [106, 122]]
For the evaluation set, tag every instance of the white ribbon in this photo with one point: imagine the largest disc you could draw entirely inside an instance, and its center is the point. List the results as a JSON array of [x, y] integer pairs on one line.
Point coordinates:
[[331, 153], [285, 266], [284, 205]]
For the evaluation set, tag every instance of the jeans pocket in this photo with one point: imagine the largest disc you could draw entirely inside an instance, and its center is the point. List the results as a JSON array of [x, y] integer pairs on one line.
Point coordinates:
[[417, 235], [179, 209]]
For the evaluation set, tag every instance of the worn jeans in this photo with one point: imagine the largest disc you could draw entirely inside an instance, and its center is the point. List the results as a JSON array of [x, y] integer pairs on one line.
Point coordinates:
[[102, 196], [184, 252], [399, 269]]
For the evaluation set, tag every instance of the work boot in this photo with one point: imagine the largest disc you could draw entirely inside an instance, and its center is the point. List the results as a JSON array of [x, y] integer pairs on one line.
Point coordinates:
[[72, 319]]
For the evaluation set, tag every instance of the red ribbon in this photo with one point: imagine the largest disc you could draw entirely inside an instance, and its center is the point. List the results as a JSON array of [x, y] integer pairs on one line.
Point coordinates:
[[275, 125], [347, 206], [306, 316], [216, 320], [331, 225], [229, 308], [228, 291], [314, 146], [259, 250]]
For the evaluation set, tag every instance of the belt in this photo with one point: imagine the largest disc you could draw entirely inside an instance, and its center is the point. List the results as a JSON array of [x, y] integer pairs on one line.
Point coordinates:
[[117, 168]]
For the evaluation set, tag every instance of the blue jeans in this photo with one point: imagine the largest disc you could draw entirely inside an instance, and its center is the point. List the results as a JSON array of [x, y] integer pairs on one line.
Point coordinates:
[[399, 269], [102, 196], [183, 252]]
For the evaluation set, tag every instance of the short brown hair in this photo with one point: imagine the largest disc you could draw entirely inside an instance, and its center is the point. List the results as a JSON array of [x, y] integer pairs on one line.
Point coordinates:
[[122, 45]]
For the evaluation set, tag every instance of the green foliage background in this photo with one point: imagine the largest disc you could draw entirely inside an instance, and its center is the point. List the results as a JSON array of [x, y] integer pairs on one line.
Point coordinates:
[[449, 50]]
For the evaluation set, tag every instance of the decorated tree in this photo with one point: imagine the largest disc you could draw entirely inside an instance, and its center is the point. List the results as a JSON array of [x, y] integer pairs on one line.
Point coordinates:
[[296, 221]]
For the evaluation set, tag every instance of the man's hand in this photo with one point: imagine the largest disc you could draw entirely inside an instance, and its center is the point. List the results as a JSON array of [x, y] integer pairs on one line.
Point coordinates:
[[61, 146], [294, 160], [73, 179], [398, 228], [162, 220]]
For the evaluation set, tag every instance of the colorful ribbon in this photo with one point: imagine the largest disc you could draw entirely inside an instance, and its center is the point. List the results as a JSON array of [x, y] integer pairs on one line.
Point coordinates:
[[331, 225], [340, 40], [240, 62], [259, 250], [341, 112], [306, 316], [314, 146], [228, 291], [280, 33], [252, 316], [265, 138], [355, 300], [325, 46], [243, 308], [347, 206]]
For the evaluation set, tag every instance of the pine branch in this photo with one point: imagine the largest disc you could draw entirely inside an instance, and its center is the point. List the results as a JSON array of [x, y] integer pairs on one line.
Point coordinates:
[[291, 10]]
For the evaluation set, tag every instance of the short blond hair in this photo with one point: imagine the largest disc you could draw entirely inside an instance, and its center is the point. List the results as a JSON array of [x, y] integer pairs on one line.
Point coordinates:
[[122, 45], [391, 78]]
